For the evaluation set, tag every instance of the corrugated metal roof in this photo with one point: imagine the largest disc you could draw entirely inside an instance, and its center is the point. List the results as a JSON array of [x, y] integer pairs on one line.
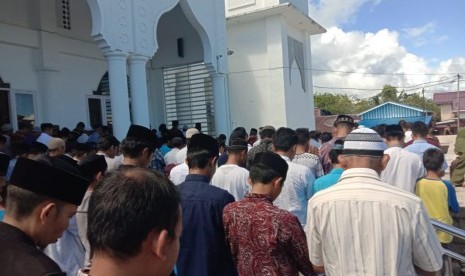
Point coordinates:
[[392, 110], [393, 121]]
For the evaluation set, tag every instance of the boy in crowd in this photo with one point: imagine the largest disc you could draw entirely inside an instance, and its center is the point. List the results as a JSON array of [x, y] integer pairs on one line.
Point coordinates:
[[333, 176]]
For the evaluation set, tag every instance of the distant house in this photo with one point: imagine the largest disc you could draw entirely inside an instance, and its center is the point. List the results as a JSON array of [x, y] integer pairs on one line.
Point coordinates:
[[324, 120], [391, 113], [447, 101]]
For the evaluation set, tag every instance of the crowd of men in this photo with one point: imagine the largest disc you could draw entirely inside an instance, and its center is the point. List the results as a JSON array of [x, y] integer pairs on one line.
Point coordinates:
[[181, 202]]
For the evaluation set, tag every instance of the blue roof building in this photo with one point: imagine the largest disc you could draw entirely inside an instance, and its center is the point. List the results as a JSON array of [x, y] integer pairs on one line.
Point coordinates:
[[391, 113]]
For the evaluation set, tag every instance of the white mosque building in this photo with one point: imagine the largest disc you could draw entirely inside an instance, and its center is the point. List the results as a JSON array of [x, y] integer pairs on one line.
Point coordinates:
[[222, 64]]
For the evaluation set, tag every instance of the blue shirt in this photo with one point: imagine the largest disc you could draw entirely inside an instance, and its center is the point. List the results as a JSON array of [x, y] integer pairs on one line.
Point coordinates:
[[328, 180], [164, 149], [452, 197], [420, 146], [204, 250]]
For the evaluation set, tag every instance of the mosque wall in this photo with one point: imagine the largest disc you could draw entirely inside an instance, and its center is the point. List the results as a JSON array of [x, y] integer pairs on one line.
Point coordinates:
[[58, 66], [256, 73], [236, 7]]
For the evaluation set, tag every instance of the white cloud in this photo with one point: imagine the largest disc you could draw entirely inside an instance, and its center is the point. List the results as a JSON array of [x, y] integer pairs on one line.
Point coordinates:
[[419, 31], [334, 12], [378, 52]]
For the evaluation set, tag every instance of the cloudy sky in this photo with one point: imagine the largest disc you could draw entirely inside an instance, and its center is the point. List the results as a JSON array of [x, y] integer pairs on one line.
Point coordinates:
[[406, 43]]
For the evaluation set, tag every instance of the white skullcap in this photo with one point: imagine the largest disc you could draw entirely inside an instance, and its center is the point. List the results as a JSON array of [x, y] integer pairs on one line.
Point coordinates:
[[364, 141]]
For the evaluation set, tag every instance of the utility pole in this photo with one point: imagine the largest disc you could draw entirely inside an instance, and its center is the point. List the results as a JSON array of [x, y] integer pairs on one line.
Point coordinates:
[[424, 105], [458, 102]]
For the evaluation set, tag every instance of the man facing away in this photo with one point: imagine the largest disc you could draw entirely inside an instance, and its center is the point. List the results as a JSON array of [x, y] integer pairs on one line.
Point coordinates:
[[264, 239], [362, 226], [204, 250], [138, 146], [334, 175], [298, 186], [40, 201], [108, 146], [265, 143], [232, 176], [404, 168], [342, 127], [303, 157], [134, 224]]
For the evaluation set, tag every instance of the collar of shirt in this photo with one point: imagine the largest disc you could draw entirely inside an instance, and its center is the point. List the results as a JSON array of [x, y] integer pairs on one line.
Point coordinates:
[[198, 178], [261, 197], [420, 141], [15, 233], [360, 172], [336, 171], [286, 158]]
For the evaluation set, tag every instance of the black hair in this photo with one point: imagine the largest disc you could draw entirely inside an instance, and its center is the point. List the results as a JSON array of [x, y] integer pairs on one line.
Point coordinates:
[[419, 129], [237, 145], [177, 142], [267, 133], [126, 206], [253, 131], [105, 142], [133, 147], [326, 137], [200, 150], [303, 136], [335, 152], [380, 129], [314, 134], [238, 133], [80, 125], [260, 173], [2, 139], [21, 202], [433, 159], [45, 126], [284, 139]]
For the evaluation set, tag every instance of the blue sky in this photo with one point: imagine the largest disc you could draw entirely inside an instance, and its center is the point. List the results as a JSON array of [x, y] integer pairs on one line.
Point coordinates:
[[432, 29], [370, 43]]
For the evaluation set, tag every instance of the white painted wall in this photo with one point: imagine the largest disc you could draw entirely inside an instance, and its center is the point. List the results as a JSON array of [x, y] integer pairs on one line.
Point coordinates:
[[256, 74], [235, 7], [60, 67]]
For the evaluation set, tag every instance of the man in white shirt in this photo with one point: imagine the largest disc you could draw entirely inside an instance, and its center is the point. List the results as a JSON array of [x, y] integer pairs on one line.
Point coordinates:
[[232, 176], [362, 226], [181, 154], [404, 168], [46, 135], [298, 186], [177, 143], [108, 146]]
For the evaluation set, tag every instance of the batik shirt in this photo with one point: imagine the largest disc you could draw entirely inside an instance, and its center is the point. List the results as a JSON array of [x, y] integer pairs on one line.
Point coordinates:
[[264, 239]]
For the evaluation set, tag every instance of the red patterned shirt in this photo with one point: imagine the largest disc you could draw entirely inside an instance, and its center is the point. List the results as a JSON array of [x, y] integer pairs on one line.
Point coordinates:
[[264, 239]]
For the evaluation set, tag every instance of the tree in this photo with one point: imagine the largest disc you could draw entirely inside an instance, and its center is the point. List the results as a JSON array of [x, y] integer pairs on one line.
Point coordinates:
[[334, 103]]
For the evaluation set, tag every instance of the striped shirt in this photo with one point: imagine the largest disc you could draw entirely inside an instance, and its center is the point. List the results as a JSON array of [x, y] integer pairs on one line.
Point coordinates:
[[362, 226]]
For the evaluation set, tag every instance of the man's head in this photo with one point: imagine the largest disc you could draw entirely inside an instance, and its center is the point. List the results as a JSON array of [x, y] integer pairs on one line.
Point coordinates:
[[326, 137], [268, 168], [419, 130], [394, 135], [364, 148], [80, 126], [285, 141], [93, 167], [336, 151], [7, 129], [202, 154], [267, 132], [237, 149], [47, 128], [109, 145], [175, 124], [239, 132], [43, 198], [343, 125], [56, 147], [177, 142], [433, 159], [303, 137], [189, 133], [139, 145], [135, 212], [253, 132]]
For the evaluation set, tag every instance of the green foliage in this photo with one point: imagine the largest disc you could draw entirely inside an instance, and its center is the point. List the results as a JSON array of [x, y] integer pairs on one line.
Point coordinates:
[[345, 104]]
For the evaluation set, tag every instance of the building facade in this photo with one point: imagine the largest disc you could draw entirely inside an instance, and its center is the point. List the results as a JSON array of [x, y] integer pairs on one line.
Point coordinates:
[[150, 62]]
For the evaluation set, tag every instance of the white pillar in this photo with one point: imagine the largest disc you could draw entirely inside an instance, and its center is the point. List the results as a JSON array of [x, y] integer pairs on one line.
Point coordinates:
[[139, 98], [118, 93], [221, 104], [51, 106]]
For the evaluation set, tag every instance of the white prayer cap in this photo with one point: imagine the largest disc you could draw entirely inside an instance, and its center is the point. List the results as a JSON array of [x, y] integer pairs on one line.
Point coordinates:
[[364, 141]]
